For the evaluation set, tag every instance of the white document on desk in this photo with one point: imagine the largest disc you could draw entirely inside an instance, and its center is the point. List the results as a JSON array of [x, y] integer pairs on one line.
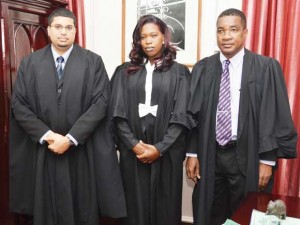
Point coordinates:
[[260, 218]]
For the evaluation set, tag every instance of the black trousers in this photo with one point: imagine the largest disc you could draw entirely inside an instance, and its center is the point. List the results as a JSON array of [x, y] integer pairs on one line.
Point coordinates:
[[229, 185]]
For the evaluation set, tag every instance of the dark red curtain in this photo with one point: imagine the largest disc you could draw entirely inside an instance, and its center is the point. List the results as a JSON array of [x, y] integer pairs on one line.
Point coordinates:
[[274, 29], [77, 7]]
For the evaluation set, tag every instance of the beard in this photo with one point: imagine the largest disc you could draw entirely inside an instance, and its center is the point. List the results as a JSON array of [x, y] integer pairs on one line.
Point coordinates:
[[63, 45]]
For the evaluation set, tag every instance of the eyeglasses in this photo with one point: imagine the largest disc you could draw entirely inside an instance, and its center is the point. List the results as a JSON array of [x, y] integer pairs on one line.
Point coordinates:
[[59, 28]]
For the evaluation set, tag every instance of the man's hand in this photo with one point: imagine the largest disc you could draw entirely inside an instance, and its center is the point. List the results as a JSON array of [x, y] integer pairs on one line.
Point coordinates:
[[50, 137], [150, 155], [192, 167], [265, 173], [57, 143]]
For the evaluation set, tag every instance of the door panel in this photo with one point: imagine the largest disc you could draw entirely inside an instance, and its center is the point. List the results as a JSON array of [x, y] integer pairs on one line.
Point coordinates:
[[40, 38], [28, 33]]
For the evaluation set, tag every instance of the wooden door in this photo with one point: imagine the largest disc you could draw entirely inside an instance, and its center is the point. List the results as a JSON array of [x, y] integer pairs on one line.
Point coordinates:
[[27, 32]]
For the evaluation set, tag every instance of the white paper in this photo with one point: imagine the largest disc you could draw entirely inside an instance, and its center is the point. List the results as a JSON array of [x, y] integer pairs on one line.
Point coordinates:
[[260, 218]]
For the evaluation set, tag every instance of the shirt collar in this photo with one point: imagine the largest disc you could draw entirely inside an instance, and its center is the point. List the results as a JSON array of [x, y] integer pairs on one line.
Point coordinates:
[[236, 59], [65, 55], [149, 66]]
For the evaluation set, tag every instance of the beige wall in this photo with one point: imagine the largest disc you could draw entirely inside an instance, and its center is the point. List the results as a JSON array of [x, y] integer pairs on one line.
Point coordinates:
[[104, 36]]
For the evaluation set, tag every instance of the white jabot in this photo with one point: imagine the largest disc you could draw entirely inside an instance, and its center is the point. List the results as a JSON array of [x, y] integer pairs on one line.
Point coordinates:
[[145, 109]]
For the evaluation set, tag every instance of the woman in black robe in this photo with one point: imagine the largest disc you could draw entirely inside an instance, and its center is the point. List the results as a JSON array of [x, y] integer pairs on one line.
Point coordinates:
[[148, 106]]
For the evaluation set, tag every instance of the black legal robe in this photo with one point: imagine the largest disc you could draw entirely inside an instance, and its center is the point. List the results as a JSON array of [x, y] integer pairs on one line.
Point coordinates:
[[84, 182], [265, 127], [153, 191]]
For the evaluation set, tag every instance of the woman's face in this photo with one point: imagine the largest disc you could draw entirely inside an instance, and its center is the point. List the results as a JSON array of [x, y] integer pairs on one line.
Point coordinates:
[[152, 41]]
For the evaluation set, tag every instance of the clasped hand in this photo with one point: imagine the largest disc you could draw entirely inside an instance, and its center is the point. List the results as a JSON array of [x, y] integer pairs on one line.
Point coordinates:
[[57, 143], [146, 153]]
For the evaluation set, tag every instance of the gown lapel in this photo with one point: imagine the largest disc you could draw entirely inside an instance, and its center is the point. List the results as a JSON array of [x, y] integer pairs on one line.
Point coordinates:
[[246, 89]]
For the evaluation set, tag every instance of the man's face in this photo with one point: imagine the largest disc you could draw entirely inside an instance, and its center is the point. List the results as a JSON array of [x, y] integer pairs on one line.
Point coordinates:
[[62, 33], [231, 35]]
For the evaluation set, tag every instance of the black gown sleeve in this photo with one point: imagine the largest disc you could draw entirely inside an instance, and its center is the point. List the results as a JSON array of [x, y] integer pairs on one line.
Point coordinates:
[[196, 105], [269, 156], [173, 133], [179, 121], [21, 110], [277, 131], [89, 120], [192, 141], [125, 133]]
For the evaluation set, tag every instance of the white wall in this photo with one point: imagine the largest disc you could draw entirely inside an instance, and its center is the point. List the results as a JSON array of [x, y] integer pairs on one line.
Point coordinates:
[[104, 36], [103, 20], [210, 12]]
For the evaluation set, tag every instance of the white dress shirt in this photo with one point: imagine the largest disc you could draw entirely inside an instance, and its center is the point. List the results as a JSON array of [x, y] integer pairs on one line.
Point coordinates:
[[145, 109]]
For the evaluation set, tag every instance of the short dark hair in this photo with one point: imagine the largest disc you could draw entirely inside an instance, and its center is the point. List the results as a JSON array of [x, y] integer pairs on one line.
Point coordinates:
[[61, 12], [235, 12]]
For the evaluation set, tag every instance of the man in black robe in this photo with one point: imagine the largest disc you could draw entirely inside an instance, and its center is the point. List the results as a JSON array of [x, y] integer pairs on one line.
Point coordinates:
[[63, 165], [261, 127]]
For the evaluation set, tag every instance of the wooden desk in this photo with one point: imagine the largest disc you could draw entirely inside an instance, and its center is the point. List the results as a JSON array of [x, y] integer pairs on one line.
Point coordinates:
[[259, 201]]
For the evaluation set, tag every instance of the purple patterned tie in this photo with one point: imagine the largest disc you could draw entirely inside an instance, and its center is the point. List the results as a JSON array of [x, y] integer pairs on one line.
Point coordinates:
[[59, 68], [223, 129]]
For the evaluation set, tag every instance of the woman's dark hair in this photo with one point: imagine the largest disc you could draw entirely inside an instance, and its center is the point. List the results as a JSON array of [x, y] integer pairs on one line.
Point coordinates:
[[137, 55], [61, 12]]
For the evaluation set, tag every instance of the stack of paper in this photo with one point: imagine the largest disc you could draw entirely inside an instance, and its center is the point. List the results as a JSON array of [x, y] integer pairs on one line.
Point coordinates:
[[230, 222], [260, 218]]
